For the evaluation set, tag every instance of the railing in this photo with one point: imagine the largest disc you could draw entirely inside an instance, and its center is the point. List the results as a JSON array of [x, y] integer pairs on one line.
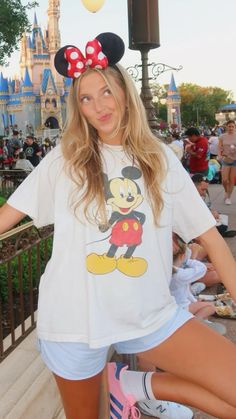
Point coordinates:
[[10, 179], [24, 252]]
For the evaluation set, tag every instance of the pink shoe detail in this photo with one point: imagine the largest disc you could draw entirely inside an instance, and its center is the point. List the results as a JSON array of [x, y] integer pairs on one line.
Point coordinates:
[[121, 405]]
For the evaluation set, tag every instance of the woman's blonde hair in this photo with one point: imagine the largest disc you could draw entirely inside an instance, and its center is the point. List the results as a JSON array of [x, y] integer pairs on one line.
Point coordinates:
[[80, 145]]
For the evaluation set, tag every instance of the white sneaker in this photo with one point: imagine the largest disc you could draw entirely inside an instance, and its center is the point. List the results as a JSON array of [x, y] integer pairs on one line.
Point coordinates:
[[197, 288], [228, 201], [165, 410]]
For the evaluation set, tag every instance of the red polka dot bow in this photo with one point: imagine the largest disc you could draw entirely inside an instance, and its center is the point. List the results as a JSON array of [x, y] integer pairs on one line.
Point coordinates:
[[77, 63]]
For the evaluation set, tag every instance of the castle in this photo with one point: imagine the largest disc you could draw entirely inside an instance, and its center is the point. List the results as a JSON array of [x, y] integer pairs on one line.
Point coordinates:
[[38, 99]]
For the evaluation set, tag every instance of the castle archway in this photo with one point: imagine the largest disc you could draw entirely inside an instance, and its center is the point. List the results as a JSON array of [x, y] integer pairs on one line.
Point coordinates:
[[51, 123]]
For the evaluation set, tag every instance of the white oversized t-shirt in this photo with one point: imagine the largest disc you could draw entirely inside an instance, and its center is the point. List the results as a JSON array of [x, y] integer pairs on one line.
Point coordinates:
[[109, 284]]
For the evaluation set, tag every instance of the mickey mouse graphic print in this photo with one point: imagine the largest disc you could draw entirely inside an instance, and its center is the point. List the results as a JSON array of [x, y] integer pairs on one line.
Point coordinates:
[[124, 196]]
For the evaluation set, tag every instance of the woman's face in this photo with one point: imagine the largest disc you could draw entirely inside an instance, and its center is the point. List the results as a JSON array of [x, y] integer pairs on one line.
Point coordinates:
[[99, 107], [231, 128]]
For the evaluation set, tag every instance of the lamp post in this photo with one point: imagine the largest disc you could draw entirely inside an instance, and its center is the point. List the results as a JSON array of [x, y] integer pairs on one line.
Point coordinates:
[[143, 17], [143, 22]]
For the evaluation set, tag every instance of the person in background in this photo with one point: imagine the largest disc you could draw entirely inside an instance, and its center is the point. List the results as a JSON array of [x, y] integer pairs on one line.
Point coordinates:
[[202, 184], [32, 150], [213, 145], [177, 145], [227, 157], [47, 145], [198, 151], [186, 271], [23, 163]]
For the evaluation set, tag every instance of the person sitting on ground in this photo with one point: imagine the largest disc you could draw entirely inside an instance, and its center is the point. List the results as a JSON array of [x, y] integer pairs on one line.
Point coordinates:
[[185, 272], [202, 184], [198, 251], [23, 163]]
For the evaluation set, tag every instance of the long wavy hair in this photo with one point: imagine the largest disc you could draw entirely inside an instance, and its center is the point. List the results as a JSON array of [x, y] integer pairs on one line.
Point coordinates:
[[81, 150]]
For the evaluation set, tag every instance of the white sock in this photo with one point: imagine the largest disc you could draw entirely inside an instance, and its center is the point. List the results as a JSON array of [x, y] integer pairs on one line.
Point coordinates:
[[137, 384]]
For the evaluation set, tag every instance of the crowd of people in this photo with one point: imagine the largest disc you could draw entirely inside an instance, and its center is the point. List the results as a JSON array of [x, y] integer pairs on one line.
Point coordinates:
[[127, 249], [212, 154], [16, 150]]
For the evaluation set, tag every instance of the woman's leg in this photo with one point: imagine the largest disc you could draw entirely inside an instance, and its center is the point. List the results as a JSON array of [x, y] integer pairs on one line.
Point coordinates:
[[232, 175], [225, 179], [80, 398], [201, 370]]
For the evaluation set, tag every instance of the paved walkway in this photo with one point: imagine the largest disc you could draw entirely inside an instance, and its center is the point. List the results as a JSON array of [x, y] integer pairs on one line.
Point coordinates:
[[217, 199]]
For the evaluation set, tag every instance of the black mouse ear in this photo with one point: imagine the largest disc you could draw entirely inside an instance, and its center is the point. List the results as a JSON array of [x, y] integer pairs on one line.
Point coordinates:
[[112, 46], [61, 64], [131, 172]]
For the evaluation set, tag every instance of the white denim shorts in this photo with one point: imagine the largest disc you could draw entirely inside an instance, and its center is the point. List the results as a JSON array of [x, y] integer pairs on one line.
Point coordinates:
[[77, 361]]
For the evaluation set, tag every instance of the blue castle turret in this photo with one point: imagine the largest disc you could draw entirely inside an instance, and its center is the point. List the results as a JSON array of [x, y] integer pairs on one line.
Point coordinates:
[[4, 97], [173, 105]]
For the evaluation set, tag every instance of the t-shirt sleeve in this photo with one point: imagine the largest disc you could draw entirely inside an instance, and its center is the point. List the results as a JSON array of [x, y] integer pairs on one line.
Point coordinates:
[[35, 195], [190, 215]]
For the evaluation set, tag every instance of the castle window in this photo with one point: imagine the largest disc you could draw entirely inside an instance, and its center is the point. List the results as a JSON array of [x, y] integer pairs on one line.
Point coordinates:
[[54, 103], [47, 104]]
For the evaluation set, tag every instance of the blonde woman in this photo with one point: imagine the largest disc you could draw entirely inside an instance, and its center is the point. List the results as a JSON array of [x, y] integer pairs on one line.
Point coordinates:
[[115, 194], [227, 155]]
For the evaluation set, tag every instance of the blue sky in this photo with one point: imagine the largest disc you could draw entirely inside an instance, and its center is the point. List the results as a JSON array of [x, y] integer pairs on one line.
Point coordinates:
[[197, 34]]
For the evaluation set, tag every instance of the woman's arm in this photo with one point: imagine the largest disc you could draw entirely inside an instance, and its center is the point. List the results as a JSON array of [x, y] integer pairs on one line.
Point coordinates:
[[9, 217], [221, 257], [220, 149]]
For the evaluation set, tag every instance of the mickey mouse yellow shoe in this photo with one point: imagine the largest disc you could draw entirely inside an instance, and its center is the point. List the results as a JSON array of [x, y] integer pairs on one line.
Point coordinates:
[[131, 266], [100, 264]]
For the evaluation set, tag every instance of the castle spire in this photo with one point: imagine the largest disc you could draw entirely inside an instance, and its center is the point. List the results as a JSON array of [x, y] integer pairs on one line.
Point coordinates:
[[172, 85], [173, 105], [54, 38], [53, 26], [35, 20], [27, 82]]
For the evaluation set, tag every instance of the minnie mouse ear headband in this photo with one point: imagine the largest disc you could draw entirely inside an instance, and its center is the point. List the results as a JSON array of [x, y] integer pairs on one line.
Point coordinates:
[[105, 50]]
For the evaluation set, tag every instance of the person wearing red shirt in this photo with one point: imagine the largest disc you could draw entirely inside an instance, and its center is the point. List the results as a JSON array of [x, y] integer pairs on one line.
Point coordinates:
[[198, 151]]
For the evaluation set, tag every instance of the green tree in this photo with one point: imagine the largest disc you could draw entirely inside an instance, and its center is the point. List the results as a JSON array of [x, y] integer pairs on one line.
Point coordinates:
[[199, 104], [13, 23]]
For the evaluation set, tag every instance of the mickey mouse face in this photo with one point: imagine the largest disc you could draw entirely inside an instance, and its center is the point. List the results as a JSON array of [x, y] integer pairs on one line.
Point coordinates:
[[125, 195]]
